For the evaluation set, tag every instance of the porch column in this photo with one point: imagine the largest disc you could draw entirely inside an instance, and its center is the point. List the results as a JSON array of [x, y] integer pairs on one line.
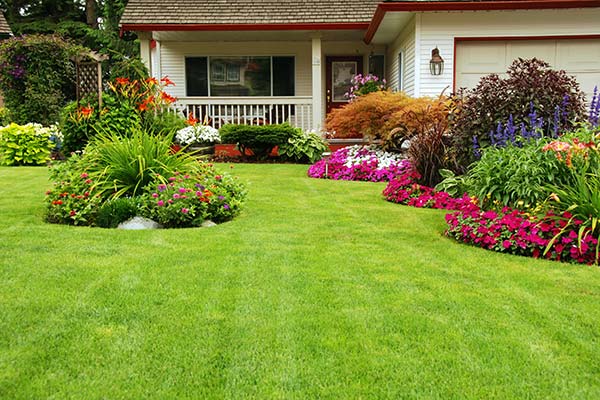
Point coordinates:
[[317, 86], [145, 50]]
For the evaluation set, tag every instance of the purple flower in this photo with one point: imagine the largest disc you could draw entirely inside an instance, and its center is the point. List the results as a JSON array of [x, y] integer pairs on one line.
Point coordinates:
[[226, 206]]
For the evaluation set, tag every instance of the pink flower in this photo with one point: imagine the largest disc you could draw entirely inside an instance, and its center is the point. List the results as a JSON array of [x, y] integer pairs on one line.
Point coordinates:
[[84, 175], [155, 195], [182, 190], [185, 210], [160, 203]]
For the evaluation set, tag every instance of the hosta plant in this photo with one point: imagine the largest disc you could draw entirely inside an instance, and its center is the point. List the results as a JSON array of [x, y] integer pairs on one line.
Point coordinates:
[[303, 147], [28, 144]]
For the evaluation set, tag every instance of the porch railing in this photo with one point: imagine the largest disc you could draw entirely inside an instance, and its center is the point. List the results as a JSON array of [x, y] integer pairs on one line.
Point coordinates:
[[218, 111]]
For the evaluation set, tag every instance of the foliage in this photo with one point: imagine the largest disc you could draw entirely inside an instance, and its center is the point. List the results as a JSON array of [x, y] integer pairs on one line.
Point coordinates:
[[132, 69], [124, 166], [4, 116], [74, 198], [513, 231], [303, 147], [197, 134], [259, 139], [113, 212], [531, 86], [515, 176], [127, 107], [427, 124], [37, 77], [366, 116], [362, 85], [187, 200], [26, 144], [454, 185], [360, 163]]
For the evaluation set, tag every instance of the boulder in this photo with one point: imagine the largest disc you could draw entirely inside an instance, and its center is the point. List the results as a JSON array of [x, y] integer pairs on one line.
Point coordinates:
[[139, 223]]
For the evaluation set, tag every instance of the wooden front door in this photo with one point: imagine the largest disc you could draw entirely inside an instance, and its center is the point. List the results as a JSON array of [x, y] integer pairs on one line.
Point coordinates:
[[339, 71]]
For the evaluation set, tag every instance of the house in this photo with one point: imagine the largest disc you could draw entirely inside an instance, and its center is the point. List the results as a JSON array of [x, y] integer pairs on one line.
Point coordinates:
[[286, 60]]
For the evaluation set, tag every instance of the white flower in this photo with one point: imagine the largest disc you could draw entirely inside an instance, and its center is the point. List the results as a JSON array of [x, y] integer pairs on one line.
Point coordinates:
[[197, 134]]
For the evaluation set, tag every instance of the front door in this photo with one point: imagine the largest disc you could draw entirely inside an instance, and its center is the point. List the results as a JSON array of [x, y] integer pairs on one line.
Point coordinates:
[[340, 70]]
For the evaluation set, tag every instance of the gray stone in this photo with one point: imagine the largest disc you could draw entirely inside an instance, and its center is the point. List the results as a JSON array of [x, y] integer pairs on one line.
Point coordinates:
[[208, 224], [139, 223]]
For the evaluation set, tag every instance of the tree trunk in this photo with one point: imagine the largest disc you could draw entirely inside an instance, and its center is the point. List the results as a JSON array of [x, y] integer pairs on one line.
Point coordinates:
[[91, 13]]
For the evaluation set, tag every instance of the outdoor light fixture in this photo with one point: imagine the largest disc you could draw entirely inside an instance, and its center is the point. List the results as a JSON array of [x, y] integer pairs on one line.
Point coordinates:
[[436, 65]]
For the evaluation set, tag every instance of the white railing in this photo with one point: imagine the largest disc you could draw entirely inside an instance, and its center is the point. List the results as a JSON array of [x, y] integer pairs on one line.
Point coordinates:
[[218, 111]]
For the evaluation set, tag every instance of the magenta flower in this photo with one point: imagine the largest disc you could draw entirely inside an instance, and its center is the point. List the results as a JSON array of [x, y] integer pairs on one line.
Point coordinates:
[[160, 203], [185, 210], [155, 195]]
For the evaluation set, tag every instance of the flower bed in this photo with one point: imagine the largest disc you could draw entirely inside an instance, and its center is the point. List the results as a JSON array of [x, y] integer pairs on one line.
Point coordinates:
[[360, 163], [513, 231], [554, 237]]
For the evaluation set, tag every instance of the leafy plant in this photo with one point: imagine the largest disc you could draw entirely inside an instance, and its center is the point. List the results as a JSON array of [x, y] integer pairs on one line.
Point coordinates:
[[454, 185], [124, 166], [37, 76], [187, 200], [25, 144], [113, 212], [258, 139], [366, 116], [362, 85], [530, 87], [304, 147]]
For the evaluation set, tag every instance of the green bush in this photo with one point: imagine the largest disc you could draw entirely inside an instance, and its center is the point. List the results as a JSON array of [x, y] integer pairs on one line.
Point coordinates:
[[303, 147], [189, 199], [130, 68], [124, 166], [38, 77], [515, 176], [4, 116], [532, 94], [25, 144], [259, 139], [163, 123], [113, 212], [80, 123]]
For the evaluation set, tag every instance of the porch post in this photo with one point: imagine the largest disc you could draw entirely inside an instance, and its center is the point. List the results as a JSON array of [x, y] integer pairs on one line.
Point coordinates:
[[317, 86], [145, 50]]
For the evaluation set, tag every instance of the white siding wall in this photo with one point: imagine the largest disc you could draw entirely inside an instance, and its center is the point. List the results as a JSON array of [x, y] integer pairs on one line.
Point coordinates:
[[172, 63], [440, 29], [405, 43]]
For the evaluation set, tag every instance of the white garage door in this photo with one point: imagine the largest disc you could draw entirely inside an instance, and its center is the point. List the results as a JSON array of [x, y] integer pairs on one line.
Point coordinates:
[[579, 57]]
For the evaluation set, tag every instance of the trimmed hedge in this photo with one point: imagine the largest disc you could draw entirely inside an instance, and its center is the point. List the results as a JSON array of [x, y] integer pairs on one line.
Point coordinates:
[[259, 139]]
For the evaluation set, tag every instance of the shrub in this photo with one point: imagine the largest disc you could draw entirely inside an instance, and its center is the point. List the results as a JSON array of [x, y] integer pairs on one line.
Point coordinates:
[[37, 77], [426, 121], [515, 176], [259, 139], [187, 200], [113, 212], [74, 198], [124, 166], [163, 123], [131, 69], [360, 163], [529, 84], [26, 144], [366, 116], [4, 116], [303, 147]]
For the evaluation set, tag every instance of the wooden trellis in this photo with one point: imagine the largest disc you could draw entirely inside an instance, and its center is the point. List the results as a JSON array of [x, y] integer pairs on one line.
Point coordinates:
[[88, 75]]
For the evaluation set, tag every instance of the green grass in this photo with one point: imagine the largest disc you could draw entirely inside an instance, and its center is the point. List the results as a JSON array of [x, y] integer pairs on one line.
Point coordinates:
[[320, 289]]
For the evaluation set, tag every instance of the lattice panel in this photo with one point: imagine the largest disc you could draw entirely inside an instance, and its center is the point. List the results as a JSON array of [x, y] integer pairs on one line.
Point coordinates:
[[87, 74]]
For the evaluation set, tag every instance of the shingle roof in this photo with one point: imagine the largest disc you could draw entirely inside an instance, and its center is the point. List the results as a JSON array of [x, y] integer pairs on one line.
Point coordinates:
[[4, 28], [248, 11]]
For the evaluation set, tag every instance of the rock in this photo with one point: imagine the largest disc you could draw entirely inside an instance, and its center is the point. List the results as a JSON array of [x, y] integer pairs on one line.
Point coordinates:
[[139, 223], [208, 224]]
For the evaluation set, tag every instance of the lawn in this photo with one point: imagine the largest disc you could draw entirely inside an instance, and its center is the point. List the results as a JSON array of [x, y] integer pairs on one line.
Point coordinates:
[[319, 289]]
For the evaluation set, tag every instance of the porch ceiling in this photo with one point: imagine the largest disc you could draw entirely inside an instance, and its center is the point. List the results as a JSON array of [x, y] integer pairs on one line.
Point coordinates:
[[391, 25], [253, 36]]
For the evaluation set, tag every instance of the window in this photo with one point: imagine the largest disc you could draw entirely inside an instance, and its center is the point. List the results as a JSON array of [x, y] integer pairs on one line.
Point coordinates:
[[235, 76], [400, 71], [377, 65]]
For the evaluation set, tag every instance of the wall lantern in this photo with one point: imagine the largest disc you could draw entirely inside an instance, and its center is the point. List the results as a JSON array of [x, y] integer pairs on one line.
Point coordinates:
[[436, 65]]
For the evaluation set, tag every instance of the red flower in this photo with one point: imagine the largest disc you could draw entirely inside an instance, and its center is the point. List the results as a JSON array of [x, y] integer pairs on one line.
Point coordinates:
[[86, 111], [167, 98], [167, 82], [122, 81], [72, 213]]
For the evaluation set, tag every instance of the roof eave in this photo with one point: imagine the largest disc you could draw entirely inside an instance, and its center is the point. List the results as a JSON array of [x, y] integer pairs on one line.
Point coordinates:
[[424, 6]]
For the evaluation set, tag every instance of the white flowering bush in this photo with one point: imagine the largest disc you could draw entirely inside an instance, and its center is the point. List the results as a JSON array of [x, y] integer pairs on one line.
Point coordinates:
[[195, 134]]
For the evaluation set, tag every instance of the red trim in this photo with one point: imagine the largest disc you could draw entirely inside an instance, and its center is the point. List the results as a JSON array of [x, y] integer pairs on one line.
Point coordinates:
[[245, 27], [152, 44], [425, 6], [503, 38]]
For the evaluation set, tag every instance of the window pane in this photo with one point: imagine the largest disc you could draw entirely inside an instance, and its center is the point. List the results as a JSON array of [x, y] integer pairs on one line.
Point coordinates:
[[196, 76], [283, 76], [240, 76], [377, 65]]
